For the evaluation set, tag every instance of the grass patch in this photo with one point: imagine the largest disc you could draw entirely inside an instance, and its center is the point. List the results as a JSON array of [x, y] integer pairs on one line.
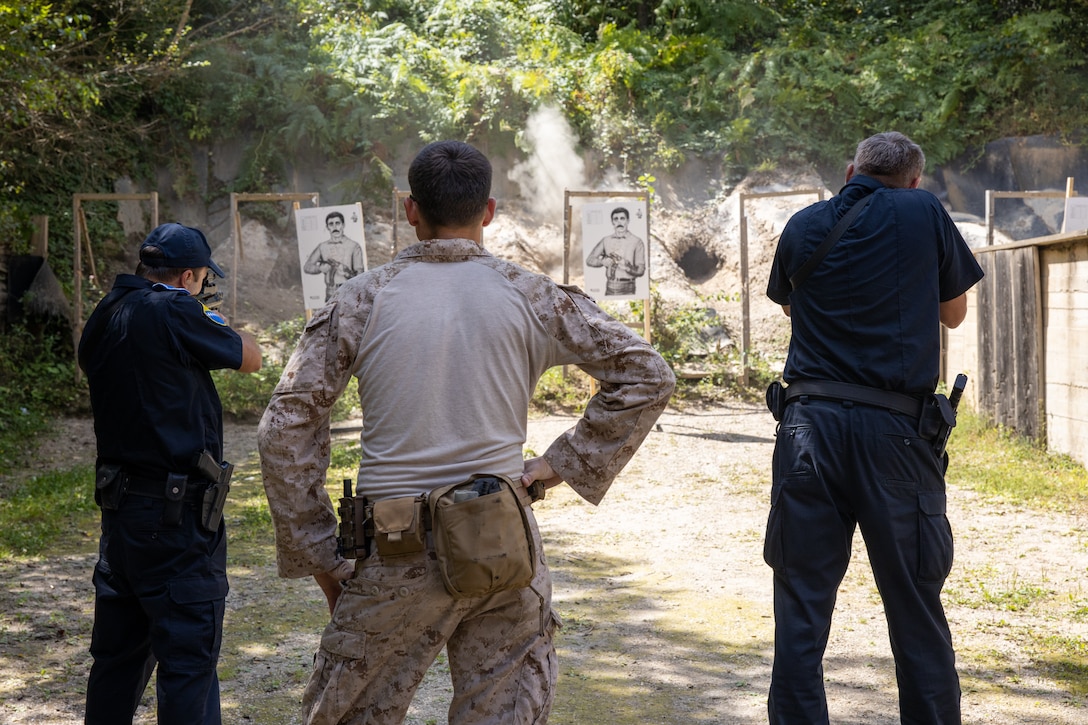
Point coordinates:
[[1013, 597], [1065, 659], [1058, 657], [602, 664], [1002, 465], [37, 512], [565, 389]]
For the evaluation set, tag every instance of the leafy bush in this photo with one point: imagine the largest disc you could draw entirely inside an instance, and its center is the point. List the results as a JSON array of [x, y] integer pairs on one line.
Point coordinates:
[[561, 389], [37, 381], [245, 395], [646, 84]]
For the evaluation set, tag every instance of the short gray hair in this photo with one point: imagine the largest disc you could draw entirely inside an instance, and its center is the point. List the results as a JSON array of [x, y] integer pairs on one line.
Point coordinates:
[[890, 155]]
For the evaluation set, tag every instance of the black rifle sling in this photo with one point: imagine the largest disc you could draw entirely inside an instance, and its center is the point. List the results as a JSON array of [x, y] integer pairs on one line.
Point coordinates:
[[812, 262]]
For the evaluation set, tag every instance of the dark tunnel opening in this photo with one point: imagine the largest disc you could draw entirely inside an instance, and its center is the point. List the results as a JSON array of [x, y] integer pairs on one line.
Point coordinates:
[[698, 264]]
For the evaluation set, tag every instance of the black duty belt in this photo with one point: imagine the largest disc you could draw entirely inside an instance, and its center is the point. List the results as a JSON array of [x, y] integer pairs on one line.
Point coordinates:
[[830, 390], [156, 488]]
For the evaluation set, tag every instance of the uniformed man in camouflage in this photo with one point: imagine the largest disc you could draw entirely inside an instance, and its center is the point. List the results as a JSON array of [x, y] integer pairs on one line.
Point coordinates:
[[447, 343]]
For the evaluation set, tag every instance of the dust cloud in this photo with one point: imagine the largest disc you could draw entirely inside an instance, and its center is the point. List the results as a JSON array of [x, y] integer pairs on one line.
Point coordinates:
[[552, 164]]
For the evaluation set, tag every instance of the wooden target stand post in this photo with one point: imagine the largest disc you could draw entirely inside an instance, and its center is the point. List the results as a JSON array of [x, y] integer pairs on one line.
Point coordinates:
[[746, 294], [81, 239], [399, 196], [236, 232], [991, 195], [647, 304]]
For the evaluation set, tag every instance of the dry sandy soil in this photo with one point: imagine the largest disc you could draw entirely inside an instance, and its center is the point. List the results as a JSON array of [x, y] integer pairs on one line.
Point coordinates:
[[663, 590]]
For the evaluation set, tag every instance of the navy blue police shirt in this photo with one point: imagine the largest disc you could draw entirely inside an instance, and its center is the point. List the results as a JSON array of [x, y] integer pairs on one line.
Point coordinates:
[[148, 350], [869, 314]]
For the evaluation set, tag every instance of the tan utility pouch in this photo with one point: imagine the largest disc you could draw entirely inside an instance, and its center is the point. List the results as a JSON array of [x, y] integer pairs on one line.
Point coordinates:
[[398, 525], [484, 544]]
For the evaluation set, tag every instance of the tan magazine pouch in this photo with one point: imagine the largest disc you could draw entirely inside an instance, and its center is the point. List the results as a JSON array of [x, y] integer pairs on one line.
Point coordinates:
[[398, 525], [484, 544]]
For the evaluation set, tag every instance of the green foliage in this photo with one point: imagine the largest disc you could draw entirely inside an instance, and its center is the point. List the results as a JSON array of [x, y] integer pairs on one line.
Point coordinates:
[[561, 389], [245, 395], [691, 339], [93, 97], [646, 83], [37, 381], [445, 70], [78, 83], [950, 76], [685, 332]]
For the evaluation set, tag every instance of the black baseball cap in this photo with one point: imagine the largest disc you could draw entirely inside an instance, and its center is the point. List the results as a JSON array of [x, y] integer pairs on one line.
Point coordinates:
[[178, 247]]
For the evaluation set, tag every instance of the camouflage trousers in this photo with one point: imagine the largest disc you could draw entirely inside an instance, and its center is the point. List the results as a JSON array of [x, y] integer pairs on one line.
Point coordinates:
[[393, 619]]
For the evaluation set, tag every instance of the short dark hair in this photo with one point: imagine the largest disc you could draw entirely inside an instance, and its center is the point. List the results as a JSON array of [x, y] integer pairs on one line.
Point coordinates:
[[450, 183], [159, 274], [620, 210], [331, 215], [890, 155]]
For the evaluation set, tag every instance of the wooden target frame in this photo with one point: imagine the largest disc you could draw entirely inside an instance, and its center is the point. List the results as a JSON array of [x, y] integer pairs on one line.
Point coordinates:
[[81, 237]]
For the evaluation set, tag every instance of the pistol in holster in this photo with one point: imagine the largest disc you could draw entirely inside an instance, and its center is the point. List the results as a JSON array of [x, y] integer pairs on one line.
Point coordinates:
[[356, 525], [215, 496], [536, 491], [947, 415]]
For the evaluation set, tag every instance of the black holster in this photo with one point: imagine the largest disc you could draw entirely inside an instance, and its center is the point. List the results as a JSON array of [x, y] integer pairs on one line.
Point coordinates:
[[211, 509], [108, 486], [215, 496], [776, 399], [937, 421]]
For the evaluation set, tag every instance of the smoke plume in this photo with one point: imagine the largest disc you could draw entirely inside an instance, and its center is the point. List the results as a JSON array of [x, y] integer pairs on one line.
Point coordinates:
[[552, 164]]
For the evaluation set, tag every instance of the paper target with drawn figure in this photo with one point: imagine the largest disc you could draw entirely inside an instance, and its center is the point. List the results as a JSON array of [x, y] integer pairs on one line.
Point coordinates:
[[1076, 214], [615, 256], [331, 249]]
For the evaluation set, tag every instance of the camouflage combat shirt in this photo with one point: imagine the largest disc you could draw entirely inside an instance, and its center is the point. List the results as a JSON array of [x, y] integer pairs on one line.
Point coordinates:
[[448, 343]]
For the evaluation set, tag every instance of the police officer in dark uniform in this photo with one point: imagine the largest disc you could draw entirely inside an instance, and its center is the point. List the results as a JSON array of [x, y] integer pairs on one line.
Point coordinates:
[[855, 444], [160, 581]]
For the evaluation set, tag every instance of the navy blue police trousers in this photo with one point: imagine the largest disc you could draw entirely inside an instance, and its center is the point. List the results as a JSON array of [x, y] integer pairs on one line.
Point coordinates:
[[160, 593], [838, 466]]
